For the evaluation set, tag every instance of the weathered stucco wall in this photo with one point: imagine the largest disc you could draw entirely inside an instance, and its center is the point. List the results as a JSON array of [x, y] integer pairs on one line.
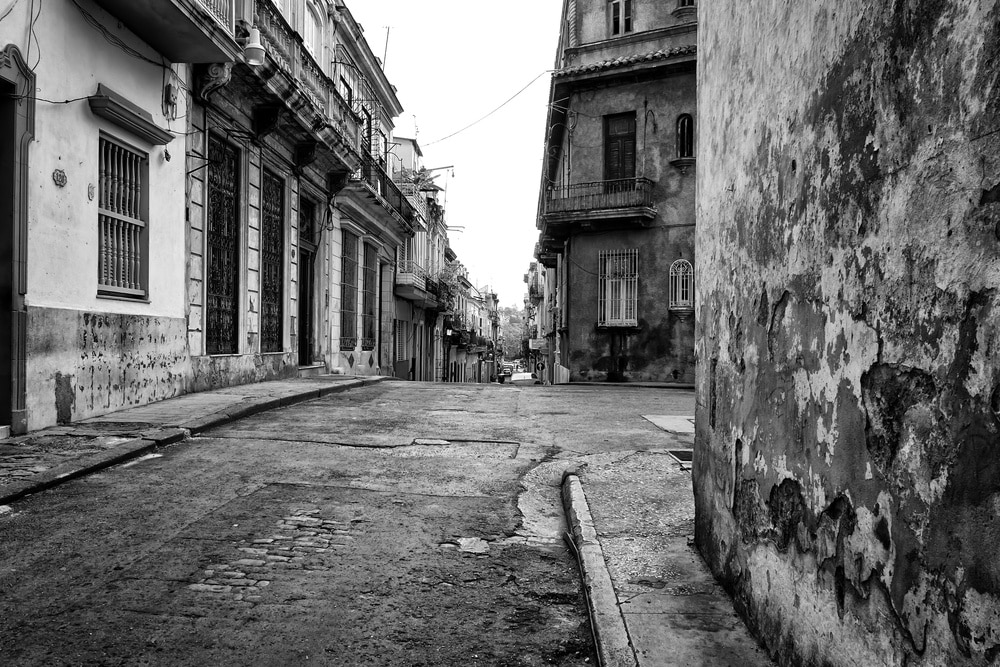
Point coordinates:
[[661, 349], [63, 219], [82, 364], [847, 475]]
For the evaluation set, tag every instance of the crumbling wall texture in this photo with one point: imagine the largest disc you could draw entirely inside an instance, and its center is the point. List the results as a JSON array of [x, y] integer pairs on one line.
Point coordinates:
[[847, 471], [82, 364]]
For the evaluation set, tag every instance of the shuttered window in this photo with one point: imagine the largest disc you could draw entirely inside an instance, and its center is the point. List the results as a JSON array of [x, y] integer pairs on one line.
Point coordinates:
[[122, 243], [619, 151]]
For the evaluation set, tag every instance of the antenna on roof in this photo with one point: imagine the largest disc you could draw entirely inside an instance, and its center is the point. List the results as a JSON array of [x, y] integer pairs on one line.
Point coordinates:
[[385, 53]]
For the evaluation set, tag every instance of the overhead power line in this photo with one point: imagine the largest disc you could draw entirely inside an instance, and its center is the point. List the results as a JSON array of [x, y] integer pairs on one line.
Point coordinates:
[[476, 122]]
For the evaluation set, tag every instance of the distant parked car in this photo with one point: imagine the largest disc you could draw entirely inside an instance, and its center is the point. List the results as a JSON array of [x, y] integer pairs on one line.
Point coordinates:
[[506, 370], [524, 378]]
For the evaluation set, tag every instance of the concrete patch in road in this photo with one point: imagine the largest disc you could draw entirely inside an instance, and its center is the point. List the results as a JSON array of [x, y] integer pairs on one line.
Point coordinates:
[[672, 423]]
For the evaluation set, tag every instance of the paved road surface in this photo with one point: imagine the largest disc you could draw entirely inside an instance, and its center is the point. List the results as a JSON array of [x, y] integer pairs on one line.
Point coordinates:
[[398, 524]]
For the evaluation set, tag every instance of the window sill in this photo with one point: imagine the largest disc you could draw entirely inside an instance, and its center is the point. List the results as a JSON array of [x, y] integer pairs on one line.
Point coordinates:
[[619, 328], [682, 313], [686, 14], [683, 163], [124, 296]]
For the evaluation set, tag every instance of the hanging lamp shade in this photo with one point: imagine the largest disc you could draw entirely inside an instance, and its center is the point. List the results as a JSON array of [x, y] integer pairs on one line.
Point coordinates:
[[254, 50]]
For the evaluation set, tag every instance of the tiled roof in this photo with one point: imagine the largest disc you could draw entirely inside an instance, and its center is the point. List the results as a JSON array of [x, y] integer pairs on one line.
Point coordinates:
[[662, 54]]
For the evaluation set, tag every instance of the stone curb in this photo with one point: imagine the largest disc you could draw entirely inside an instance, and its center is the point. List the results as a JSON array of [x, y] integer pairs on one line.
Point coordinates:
[[607, 623], [166, 435]]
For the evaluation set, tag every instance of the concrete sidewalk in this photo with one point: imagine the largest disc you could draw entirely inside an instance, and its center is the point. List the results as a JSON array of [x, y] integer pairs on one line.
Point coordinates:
[[653, 601], [43, 459]]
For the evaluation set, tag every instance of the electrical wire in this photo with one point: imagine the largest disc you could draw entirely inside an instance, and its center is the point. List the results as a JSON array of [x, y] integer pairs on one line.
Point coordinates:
[[9, 10], [476, 122]]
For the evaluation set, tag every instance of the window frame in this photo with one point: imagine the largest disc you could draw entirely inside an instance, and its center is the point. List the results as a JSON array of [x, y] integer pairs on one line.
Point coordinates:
[[271, 268], [621, 17], [349, 291], [369, 300], [140, 242], [685, 135], [312, 38], [618, 288], [681, 288]]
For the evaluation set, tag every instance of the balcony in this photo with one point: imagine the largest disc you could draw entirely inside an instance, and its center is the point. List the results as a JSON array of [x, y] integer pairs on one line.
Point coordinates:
[[284, 48], [601, 198], [372, 181], [411, 284], [417, 200], [534, 291], [184, 31]]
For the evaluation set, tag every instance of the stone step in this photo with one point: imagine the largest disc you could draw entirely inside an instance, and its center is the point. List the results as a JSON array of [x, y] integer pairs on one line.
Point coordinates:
[[312, 371]]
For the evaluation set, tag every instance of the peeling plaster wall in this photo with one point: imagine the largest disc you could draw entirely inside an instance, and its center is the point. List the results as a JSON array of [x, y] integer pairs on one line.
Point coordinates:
[[847, 477], [83, 364]]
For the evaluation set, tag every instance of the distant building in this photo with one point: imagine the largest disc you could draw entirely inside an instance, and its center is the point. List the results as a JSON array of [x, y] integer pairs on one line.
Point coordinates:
[[419, 265], [616, 207]]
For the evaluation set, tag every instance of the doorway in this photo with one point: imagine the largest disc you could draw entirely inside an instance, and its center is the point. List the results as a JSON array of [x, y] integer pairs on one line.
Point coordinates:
[[17, 126]]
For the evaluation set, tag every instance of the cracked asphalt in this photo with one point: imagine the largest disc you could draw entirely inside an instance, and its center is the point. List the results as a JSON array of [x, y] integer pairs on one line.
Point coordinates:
[[395, 524]]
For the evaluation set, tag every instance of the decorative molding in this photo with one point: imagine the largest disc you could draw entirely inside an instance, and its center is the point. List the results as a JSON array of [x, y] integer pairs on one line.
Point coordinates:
[[111, 106], [687, 14], [211, 78], [683, 164]]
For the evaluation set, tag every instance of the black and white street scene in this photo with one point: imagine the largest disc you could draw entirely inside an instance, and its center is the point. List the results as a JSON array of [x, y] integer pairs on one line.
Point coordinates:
[[625, 333]]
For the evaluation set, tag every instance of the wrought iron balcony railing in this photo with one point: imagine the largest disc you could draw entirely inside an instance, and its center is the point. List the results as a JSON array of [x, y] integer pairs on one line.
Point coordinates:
[[284, 47], [374, 176], [599, 195], [416, 199], [410, 272]]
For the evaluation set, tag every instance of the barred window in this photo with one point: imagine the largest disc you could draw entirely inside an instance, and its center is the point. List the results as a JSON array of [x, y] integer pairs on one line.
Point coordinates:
[[122, 212], [349, 293], [681, 285], [618, 289], [368, 312], [401, 340], [272, 259]]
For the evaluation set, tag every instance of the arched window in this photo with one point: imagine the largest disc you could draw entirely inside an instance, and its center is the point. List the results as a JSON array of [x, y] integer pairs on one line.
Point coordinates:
[[685, 135], [681, 285], [313, 37]]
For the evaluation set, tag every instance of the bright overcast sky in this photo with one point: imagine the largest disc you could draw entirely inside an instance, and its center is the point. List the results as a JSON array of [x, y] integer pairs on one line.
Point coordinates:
[[454, 61]]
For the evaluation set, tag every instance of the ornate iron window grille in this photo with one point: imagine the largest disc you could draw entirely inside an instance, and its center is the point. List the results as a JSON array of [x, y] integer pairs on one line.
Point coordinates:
[[368, 313], [222, 288], [272, 237], [349, 293]]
